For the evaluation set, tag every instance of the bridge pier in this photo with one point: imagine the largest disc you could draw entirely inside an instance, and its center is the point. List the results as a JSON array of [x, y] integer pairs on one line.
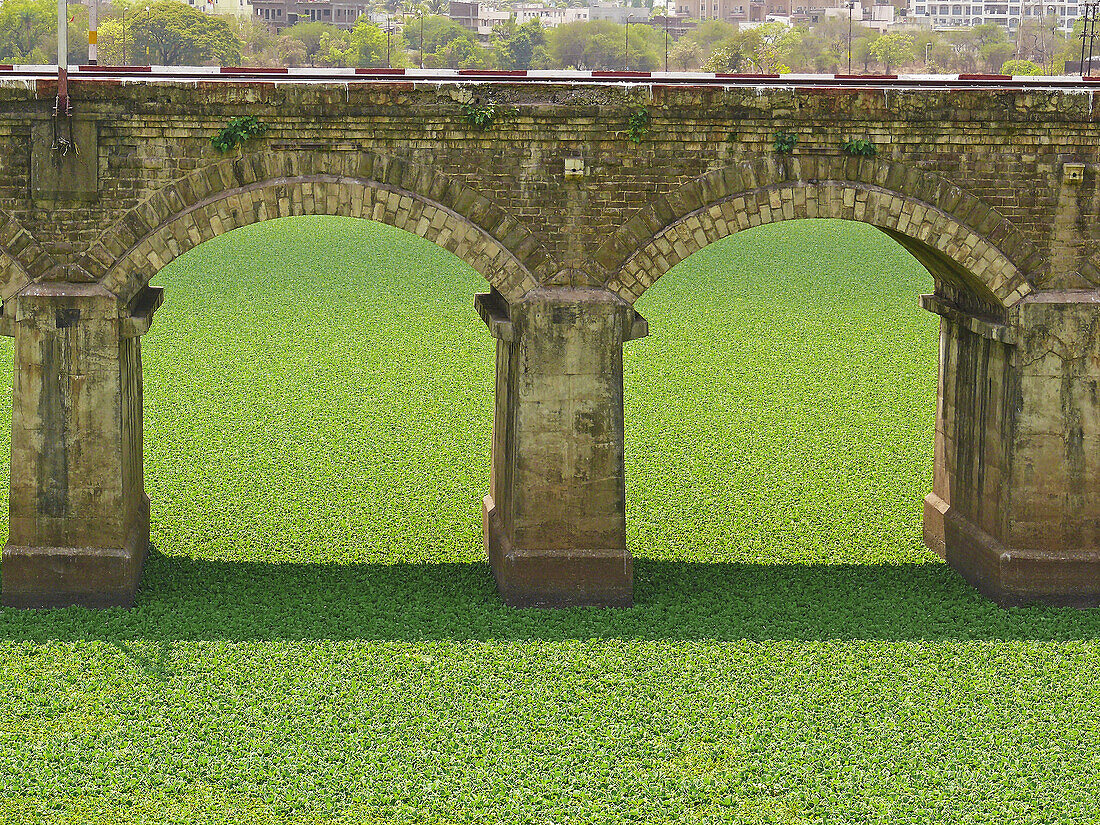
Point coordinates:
[[79, 516], [1015, 506], [555, 520]]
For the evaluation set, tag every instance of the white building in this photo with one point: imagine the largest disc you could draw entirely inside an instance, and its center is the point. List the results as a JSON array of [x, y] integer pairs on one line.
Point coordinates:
[[616, 13], [950, 15], [549, 16], [481, 18], [237, 8], [477, 17]]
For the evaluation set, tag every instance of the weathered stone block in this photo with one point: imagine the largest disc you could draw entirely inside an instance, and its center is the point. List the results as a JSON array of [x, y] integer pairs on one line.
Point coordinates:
[[555, 519], [79, 517], [68, 173]]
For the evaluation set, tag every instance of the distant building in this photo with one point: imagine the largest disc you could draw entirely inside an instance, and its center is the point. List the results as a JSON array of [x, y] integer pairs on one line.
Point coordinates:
[[950, 15], [236, 8], [878, 16], [615, 13], [548, 16], [1093, 66], [279, 14], [677, 26], [479, 18], [731, 11]]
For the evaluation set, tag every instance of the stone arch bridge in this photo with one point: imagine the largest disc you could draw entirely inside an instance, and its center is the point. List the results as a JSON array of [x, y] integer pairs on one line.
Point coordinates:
[[994, 190]]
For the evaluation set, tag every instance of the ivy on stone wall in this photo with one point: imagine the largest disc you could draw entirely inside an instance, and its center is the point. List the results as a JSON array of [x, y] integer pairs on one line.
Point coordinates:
[[236, 132], [784, 142], [859, 147], [479, 115], [637, 125]]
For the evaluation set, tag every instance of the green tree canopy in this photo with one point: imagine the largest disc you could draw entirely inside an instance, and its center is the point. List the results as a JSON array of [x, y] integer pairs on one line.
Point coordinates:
[[438, 32], [23, 26], [28, 32], [518, 45], [175, 34], [311, 35], [763, 49], [1021, 67], [893, 49], [364, 45], [601, 44]]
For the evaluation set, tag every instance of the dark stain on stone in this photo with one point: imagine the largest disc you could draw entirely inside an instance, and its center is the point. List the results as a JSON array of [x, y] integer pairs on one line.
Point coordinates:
[[53, 411], [66, 317]]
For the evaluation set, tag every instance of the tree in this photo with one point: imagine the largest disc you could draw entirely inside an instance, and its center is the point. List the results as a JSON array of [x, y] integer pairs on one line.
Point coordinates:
[[447, 44], [763, 48], [25, 25], [709, 34], [734, 54], [366, 46], [824, 48], [290, 51], [438, 32], [371, 46], [776, 42], [1021, 67], [257, 42], [517, 44], [893, 49], [861, 48], [685, 55], [459, 53], [993, 46], [174, 34], [334, 49], [601, 44], [310, 34]]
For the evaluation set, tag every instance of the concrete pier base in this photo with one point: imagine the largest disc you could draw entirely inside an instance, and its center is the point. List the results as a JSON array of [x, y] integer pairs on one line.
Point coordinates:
[[1015, 507], [79, 516], [45, 577], [555, 518], [564, 577]]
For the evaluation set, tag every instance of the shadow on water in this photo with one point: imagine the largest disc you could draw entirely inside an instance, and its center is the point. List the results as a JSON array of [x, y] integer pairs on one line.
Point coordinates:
[[189, 599]]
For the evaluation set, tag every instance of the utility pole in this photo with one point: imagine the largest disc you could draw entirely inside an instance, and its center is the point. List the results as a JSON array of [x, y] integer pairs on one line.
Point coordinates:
[[627, 58], [421, 37], [1088, 32], [62, 106], [851, 7], [1053, 12], [1091, 26], [93, 14], [1084, 34], [666, 39], [124, 63]]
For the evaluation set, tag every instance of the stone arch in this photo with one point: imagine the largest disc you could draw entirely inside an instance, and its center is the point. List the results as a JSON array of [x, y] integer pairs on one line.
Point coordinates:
[[245, 190], [964, 243]]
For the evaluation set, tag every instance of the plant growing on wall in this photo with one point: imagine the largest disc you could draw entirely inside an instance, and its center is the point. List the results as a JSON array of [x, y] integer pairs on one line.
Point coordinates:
[[784, 142], [857, 147], [637, 125], [479, 115], [236, 132]]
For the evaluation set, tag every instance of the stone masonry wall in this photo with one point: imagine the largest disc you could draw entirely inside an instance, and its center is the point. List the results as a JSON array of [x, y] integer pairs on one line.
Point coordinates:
[[992, 162], [994, 192]]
